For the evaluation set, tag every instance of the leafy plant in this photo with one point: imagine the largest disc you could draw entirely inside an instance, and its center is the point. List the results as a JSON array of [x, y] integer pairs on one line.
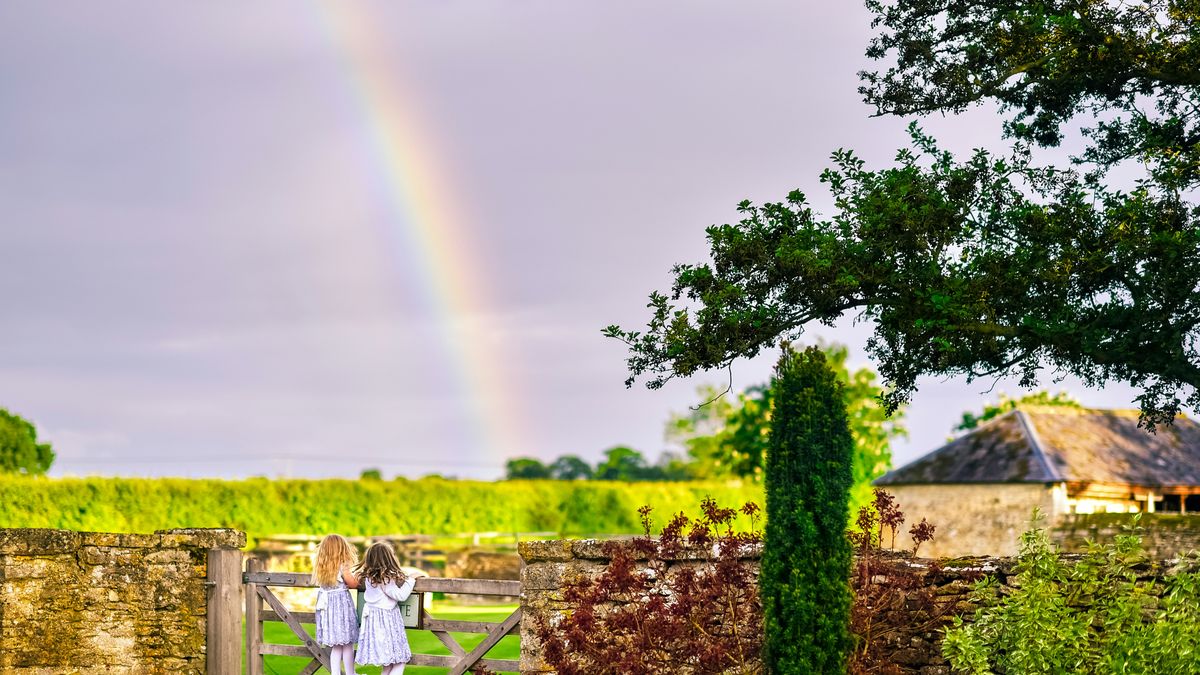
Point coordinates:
[[891, 596], [650, 613], [1097, 616], [806, 556]]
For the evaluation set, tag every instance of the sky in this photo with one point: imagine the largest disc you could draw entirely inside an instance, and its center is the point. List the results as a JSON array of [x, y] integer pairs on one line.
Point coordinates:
[[305, 239]]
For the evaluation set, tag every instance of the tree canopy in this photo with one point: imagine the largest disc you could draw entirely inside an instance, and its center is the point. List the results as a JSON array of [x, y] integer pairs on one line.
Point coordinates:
[[989, 265], [730, 434], [20, 451]]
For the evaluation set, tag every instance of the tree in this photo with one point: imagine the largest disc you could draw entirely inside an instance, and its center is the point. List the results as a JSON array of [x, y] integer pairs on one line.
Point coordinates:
[[20, 451], [570, 467], [1038, 398], [806, 554], [525, 468], [622, 463], [728, 436], [989, 266], [371, 474]]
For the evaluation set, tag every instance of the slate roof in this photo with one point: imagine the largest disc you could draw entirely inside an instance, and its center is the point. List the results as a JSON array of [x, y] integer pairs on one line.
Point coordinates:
[[1053, 445]]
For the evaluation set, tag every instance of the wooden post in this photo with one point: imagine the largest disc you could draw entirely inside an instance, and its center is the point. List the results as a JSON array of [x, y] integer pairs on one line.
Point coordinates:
[[254, 638], [224, 651]]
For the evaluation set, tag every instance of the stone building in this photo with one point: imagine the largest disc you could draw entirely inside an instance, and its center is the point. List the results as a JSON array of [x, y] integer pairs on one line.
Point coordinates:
[[980, 489]]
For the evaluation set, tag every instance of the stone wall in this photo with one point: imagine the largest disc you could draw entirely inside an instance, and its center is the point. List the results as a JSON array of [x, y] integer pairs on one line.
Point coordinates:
[[1164, 535], [551, 564], [90, 602], [914, 646]]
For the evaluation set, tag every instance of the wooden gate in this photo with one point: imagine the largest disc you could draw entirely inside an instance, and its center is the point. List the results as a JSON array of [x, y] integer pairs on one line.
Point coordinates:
[[258, 591]]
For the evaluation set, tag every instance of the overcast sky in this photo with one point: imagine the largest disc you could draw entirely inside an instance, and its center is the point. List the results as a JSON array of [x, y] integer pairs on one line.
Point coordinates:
[[207, 272]]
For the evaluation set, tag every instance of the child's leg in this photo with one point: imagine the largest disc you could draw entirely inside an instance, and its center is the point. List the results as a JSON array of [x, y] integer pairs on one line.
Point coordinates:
[[348, 658], [335, 660]]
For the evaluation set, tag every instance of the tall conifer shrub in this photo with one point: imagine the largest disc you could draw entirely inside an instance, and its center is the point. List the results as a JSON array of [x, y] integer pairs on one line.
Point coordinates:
[[806, 558]]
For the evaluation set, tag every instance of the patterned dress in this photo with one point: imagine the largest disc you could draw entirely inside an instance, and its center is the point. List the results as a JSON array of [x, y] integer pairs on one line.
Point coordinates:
[[382, 640], [337, 622]]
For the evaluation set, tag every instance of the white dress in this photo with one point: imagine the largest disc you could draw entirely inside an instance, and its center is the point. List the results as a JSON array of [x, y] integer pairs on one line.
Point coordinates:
[[382, 640]]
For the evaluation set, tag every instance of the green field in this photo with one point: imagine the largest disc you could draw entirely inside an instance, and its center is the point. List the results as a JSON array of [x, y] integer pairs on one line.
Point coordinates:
[[262, 507], [422, 642]]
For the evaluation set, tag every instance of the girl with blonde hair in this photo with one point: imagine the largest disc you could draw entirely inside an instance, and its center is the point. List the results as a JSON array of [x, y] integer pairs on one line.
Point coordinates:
[[337, 622], [382, 641]]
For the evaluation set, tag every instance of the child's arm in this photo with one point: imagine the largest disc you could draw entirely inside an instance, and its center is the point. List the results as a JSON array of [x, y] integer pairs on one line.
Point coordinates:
[[400, 593], [350, 579]]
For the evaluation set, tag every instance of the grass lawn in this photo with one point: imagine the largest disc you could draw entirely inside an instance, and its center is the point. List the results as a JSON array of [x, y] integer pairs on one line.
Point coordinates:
[[422, 642]]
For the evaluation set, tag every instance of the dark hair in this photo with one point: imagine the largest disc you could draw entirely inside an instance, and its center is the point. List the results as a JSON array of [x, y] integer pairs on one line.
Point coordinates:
[[379, 565]]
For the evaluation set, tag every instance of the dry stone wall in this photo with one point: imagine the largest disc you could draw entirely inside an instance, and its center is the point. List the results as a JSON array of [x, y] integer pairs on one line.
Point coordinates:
[[1164, 535], [91, 602], [914, 646]]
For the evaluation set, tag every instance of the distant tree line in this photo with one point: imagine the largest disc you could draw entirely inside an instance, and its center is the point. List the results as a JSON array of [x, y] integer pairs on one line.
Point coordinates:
[[726, 435], [620, 463]]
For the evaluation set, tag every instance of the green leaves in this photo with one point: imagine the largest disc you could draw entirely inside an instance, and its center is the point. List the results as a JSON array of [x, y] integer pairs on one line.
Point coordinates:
[[983, 268], [1092, 616], [20, 451], [806, 555]]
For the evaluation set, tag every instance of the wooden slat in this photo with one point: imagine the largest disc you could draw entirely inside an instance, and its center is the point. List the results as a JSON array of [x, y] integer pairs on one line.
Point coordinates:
[[274, 649], [452, 661], [460, 626], [450, 642], [313, 647], [488, 642], [254, 629], [423, 584], [312, 667], [279, 579], [470, 586], [269, 614]]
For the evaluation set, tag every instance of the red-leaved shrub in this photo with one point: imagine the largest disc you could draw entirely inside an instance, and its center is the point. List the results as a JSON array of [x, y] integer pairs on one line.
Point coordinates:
[[685, 602]]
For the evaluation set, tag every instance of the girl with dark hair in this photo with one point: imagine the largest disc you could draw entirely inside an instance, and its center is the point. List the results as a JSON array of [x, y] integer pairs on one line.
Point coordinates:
[[381, 639]]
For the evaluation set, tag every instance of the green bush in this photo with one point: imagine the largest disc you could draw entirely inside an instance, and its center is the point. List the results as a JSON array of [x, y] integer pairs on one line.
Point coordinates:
[[806, 555], [1092, 616], [263, 507]]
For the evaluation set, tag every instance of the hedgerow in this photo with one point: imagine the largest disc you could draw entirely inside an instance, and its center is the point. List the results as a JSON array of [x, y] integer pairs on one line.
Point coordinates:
[[263, 507]]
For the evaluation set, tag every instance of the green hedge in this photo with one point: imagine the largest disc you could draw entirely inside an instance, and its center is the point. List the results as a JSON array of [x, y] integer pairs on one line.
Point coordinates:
[[263, 507]]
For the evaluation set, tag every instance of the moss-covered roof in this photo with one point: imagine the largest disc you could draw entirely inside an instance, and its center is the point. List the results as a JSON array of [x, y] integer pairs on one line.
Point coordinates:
[[1051, 445]]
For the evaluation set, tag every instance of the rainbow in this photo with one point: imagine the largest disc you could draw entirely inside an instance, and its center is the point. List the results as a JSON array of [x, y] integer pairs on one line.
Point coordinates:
[[423, 226]]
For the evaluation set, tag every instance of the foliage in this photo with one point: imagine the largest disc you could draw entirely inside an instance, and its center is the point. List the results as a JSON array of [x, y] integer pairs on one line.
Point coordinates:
[[526, 468], [1128, 68], [989, 266], [890, 599], [371, 474], [264, 507], [806, 556], [1005, 404], [20, 451], [643, 615], [730, 437], [620, 463], [570, 467], [1091, 617]]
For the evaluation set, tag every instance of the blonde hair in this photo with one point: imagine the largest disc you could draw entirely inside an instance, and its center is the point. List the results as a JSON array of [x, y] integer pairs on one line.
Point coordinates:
[[379, 565], [334, 554]]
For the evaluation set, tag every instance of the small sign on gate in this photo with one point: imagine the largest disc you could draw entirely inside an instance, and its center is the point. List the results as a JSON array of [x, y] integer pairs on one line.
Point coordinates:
[[413, 611]]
